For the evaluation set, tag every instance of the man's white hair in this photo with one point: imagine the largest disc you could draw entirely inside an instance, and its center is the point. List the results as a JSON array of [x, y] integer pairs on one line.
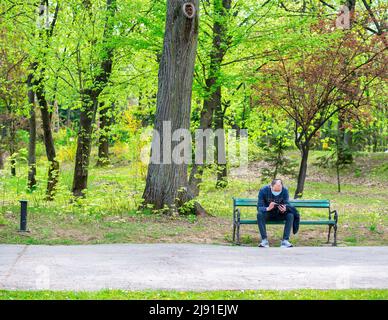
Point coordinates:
[[276, 181]]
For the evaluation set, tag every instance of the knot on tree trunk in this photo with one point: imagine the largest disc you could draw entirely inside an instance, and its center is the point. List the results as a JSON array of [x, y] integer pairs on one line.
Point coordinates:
[[189, 10]]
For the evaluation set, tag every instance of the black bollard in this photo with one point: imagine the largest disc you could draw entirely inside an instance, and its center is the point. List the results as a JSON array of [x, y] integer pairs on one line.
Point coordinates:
[[23, 216]]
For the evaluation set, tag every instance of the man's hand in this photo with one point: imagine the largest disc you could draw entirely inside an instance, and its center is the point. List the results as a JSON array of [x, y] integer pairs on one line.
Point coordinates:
[[271, 206], [282, 208]]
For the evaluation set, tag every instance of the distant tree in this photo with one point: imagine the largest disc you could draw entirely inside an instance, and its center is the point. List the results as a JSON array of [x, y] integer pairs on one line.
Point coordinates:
[[313, 86], [12, 97], [36, 82], [275, 157], [89, 100], [338, 155]]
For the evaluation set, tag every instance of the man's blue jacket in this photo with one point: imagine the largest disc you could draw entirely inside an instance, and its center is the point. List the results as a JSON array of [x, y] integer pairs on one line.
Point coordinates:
[[265, 197]]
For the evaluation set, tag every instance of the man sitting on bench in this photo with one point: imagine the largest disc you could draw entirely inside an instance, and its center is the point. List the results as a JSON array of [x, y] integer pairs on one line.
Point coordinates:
[[273, 205]]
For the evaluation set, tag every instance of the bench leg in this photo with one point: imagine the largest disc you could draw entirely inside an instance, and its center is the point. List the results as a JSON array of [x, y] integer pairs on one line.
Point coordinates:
[[234, 232], [335, 235], [328, 235], [238, 234]]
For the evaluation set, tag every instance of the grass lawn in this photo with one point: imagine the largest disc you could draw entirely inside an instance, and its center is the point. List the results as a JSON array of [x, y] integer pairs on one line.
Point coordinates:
[[108, 214], [304, 294]]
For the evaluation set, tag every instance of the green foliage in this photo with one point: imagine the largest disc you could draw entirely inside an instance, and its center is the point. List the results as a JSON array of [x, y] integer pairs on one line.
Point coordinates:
[[257, 35], [301, 294], [65, 136], [335, 157], [270, 141], [188, 209], [279, 163]]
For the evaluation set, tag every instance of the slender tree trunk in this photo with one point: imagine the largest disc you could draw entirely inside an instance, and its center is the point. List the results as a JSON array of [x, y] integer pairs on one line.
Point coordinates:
[[344, 141], [3, 134], [53, 171], [304, 149], [56, 116], [348, 139], [166, 184], [206, 119], [278, 159], [89, 100], [13, 167], [68, 116], [222, 180], [38, 83], [32, 135], [84, 142], [337, 165], [103, 141], [338, 160], [1, 159], [12, 144]]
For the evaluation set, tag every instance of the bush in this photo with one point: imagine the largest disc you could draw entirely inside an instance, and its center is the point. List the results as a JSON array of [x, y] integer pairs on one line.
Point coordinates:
[[67, 152]]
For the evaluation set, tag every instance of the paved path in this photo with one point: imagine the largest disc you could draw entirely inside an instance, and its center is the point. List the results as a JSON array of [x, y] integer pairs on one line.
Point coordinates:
[[190, 267]]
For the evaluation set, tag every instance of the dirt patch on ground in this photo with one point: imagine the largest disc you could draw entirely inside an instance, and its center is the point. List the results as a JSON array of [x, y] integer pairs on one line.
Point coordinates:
[[165, 229], [76, 235]]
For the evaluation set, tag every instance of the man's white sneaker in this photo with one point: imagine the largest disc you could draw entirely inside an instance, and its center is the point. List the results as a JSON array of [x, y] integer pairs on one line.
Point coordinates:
[[285, 244], [264, 243]]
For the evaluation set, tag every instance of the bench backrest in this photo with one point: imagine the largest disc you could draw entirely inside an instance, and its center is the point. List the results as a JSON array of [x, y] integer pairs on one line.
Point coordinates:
[[298, 203]]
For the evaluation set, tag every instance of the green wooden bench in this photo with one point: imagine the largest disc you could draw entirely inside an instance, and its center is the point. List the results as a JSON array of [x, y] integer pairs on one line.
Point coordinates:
[[318, 204]]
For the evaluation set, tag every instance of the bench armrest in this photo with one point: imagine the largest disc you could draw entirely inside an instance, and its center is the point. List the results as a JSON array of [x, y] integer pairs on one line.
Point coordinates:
[[335, 215]]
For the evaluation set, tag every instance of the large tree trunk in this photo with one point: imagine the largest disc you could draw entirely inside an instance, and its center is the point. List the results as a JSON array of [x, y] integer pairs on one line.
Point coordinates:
[[32, 135], [304, 149], [212, 99], [166, 184]]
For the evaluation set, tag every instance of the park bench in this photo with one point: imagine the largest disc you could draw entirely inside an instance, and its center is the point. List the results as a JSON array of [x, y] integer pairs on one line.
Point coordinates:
[[317, 204]]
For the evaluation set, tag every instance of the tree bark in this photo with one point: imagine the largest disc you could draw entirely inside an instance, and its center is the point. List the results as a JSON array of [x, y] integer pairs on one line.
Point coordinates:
[[52, 177], [3, 134], [103, 141], [209, 106], [38, 84], [212, 99], [304, 149], [344, 147], [1, 159], [166, 184], [32, 135], [84, 142], [89, 101], [12, 143], [222, 173]]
